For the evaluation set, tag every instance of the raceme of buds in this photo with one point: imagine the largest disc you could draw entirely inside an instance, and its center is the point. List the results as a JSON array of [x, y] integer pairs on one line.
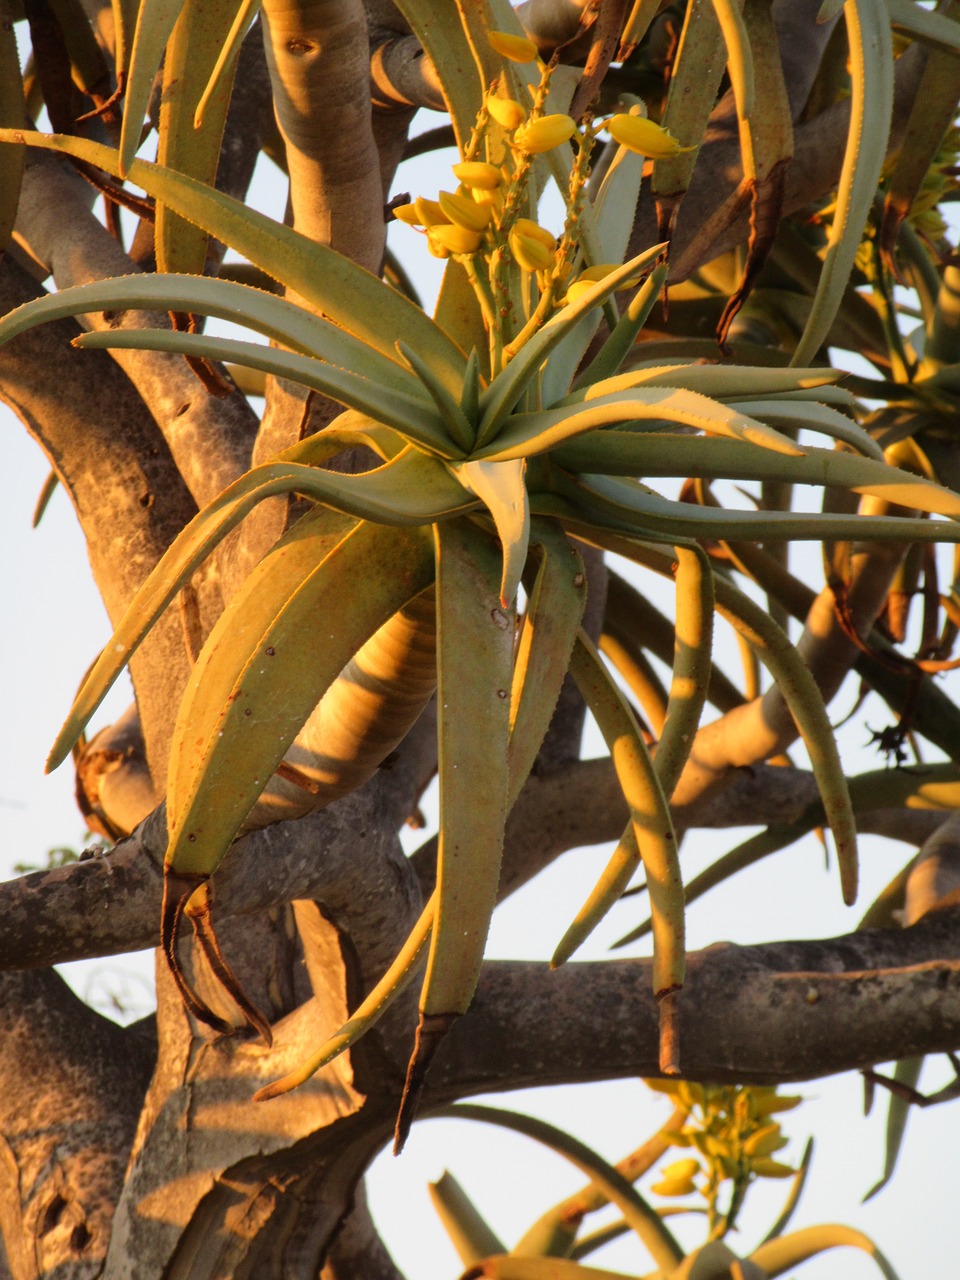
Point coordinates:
[[513, 48], [639, 134], [506, 111], [544, 134]]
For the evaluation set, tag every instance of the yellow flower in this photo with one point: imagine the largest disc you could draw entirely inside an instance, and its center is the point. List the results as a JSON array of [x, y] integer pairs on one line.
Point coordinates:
[[506, 111], [532, 246], [453, 239], [544, 134], [513, 48], [407, 213], [464, 211], [478, 175], [674, 1187], [636, 133]]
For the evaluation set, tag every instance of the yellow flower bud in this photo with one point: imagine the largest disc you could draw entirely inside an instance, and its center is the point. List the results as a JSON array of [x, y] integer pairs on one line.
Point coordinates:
[[636, 133], [513, 48], [602, 270], [674, 1187], [429, 213], [464, 211], [478, 175], [576, 290], [506, 111], [681, 1168], [527, 227], [407, 213], [489, 199], [544, 134], [771, 1168], [765, 1141], [453, 238]]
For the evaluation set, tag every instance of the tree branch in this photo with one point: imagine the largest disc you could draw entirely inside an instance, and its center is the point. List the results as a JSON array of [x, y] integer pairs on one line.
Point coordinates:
[[761, 1014]]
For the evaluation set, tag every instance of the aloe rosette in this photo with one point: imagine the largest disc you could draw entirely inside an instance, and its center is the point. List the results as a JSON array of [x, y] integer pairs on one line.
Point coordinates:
[[506, 430]]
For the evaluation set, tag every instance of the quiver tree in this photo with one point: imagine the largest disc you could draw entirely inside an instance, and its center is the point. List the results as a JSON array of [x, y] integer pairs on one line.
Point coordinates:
[[320, 528]]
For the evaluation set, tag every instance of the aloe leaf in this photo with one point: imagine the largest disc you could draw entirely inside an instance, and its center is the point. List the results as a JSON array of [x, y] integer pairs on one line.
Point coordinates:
[[246, 15], [925, 24], [367, 1013], [674, 520], [499, 399], [474, 673], [814, 417], [395, 408], [403, 492], [871, 61], [744, 855], [337, 287], [740, 69], [907, 1073], [653, 828], [231, 746], [624, 333], [124, 25], [793, 1197], [452, 415], [447, 45], [501, 487], [532, 433], [469, 1232], [249, 613], [266, 313], [663, 454], [554, 611], [780, 1255], [693, 643], [191, 54], [722, 381], [606, 893], [155, 21], [551, 1236], [803, 697], [642, 1219], [181, 559]]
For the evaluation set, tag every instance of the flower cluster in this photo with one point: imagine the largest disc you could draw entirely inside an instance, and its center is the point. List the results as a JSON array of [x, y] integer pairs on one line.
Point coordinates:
[[484, 224], [735, 1138]]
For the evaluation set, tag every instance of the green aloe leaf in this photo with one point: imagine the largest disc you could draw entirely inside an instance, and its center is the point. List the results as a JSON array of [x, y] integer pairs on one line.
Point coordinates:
[[554, 611], [395, 408], [337, 287], [693, 645], [532, 433], [155, 21], [925, 24], [396, 979], [642, 1219], [191, 55], [722, 381], [475, 637], [410, 490], [871, 61], [499, 399], [624, 332], [654, 835], [786, 1252], [501, 486], [907, 1073], [245, 704], [265, 313], [469, 1232], [670, 521]]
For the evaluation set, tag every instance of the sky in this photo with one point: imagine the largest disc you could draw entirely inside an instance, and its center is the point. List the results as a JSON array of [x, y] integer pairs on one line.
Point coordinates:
[[53, 625]]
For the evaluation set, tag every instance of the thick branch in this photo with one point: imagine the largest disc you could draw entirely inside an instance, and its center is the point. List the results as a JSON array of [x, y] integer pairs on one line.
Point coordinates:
[[210, 439], [761, 1014], [113, 462]]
